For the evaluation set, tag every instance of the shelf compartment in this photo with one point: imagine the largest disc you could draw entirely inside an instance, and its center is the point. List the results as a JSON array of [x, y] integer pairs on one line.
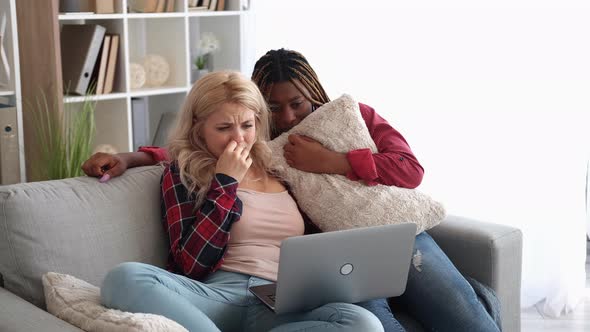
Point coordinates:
[[115, 26], [112, 124], [85, 8], [108, 96], [165, 37], [227, 30], [147, 113]]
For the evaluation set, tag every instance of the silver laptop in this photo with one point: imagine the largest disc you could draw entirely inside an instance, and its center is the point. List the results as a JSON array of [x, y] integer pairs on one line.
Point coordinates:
[[343, 266]]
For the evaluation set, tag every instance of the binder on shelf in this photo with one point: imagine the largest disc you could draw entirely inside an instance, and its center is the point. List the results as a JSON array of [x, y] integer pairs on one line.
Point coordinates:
[[142, 6], [161, 5], [80, 45], [141, 123], [170, 5], [102, 67], [103, 6], [5, 66], [112, 64], [220, 5], [9, 156], [166, 123], [212, 4]]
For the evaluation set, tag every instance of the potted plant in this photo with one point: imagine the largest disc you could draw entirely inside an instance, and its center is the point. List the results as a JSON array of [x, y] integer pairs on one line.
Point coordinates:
[[64, 139], [208, 44]]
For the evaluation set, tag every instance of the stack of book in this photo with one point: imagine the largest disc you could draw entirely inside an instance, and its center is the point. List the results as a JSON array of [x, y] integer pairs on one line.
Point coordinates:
[[213, 5], [151, 6], [89, 59], [105, 70]]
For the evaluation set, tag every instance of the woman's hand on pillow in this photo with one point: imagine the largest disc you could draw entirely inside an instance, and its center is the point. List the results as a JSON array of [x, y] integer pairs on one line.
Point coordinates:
[[308, 155]]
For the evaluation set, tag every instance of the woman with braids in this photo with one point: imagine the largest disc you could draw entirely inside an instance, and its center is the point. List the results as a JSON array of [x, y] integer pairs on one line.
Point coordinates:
[[436, 295]]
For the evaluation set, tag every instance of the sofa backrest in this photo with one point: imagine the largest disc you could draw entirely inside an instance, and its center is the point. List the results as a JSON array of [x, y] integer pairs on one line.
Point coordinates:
[[80, 227]]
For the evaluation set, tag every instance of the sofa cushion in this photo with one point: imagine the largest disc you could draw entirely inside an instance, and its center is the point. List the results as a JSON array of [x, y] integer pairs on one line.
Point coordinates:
[[78, 303], [334, 202], [78, 226]]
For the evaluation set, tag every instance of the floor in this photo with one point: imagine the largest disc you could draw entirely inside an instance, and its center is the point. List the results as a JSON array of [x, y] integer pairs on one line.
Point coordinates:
[[579, 320]]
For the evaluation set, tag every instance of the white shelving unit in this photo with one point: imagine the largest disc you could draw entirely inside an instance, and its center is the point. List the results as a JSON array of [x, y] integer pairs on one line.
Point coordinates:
[[175, 36], [11, 91]]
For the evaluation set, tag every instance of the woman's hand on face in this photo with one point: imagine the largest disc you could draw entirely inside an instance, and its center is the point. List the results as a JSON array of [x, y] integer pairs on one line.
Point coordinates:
[[308, 155], [234, 161], [104, 165]]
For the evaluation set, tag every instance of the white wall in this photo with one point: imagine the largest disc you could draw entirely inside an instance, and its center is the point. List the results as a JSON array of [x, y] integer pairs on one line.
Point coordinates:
[[493, 97]]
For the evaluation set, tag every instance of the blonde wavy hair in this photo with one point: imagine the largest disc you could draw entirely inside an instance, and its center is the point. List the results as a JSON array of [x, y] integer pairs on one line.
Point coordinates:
[[186, 145]]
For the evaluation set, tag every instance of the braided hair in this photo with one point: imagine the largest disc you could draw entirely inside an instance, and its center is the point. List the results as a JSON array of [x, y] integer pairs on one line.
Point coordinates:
[[285, 65]]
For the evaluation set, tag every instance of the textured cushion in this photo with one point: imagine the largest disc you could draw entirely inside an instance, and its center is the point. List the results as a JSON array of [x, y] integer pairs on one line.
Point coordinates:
[[334, 202], [78, 303], [80, 227]]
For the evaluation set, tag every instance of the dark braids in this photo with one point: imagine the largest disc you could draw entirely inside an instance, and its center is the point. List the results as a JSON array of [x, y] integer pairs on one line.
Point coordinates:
[[286, 65]]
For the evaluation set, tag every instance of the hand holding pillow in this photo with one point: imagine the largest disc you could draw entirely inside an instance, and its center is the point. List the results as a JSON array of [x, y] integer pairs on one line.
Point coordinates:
[[332, 201]]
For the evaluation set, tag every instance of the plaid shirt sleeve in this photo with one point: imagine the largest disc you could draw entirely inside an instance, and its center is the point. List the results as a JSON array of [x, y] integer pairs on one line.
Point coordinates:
[[198, 236]]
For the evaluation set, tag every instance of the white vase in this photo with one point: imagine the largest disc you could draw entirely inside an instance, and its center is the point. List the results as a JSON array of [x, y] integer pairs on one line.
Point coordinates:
[[198, 73]]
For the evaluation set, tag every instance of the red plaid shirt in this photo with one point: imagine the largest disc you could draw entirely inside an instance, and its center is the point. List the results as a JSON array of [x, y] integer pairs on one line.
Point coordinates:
[[198, 235]]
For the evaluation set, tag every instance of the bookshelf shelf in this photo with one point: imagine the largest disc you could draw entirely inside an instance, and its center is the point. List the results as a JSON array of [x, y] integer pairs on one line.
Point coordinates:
[[7, 93], [158, 91], [77, 17], [108, 96], [172, 35], [206, 13], [154, 15]]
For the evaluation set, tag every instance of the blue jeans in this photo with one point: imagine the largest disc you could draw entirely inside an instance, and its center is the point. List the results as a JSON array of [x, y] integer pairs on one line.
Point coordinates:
[[219, 302], [436, 295]]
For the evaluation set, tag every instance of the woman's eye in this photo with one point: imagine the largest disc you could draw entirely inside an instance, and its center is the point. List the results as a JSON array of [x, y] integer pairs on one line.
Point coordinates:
[[248, 126], [275, 109], [223, 128]]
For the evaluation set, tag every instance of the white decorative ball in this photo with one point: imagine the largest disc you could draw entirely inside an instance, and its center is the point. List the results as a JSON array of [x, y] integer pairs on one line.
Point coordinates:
[[137, 75], [106, 148], [157, 70]]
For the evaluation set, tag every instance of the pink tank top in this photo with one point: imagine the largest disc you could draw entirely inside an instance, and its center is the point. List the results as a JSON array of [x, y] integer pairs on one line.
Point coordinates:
[[255, 239]]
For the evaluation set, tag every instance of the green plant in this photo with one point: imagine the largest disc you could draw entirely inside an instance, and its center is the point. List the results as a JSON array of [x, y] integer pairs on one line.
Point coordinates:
[[208, 44], [200, 62], [64, 139]]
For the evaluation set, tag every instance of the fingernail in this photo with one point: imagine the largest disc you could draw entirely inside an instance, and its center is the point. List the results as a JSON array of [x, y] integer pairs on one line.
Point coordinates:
[[105, 178]]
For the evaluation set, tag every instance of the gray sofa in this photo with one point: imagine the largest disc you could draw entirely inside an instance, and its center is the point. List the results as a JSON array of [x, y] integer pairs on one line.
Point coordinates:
[[81, 227]]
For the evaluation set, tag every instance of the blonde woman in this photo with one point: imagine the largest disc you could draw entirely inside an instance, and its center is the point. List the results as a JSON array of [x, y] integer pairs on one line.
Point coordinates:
[[225, 216]]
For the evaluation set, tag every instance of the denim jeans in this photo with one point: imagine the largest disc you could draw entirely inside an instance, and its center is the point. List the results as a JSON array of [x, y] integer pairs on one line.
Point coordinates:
[[219, 302], [436, 295], [381, 309]]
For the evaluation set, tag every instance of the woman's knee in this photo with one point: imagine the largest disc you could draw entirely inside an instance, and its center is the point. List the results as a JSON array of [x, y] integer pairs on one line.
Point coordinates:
[[121, 281], [358, 318]]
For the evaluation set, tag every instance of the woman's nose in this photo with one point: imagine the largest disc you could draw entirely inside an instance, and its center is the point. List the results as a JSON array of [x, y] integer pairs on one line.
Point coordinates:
[[238, 136], [288, 118]]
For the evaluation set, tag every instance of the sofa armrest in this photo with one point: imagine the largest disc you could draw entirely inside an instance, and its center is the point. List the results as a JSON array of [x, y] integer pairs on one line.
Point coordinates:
[[489, 253], [18, 315]]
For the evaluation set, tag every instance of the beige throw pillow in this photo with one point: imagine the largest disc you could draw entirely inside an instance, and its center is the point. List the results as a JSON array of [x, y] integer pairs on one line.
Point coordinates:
[[333, 202], [78, 303]]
